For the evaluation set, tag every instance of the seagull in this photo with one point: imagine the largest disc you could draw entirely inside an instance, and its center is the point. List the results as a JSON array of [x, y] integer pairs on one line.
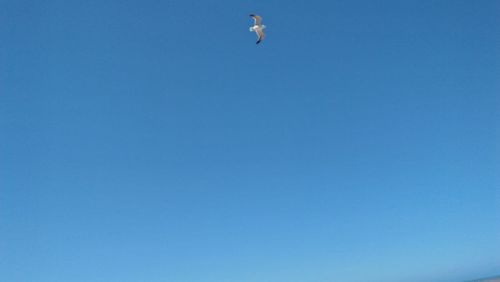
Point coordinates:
[[258, 27]]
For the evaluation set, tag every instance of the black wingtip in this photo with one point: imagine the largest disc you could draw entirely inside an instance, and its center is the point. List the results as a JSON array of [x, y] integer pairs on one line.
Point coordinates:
[[252, 15], [258, 42]]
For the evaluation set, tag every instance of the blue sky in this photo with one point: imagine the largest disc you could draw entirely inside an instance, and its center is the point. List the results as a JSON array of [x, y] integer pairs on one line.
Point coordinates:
[[154, 141]]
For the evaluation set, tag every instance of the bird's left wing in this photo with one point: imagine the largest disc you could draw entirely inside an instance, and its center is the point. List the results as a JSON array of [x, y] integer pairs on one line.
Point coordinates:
[[260, 35]]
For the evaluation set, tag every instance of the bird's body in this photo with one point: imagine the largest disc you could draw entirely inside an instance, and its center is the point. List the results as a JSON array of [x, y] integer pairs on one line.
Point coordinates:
[[258, 28]]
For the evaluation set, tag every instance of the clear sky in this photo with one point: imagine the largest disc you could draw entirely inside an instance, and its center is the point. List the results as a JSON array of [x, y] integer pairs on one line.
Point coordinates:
[[155, 141]]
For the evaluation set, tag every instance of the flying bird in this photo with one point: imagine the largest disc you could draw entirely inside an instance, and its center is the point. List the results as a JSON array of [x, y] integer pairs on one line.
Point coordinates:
[[258, 27]]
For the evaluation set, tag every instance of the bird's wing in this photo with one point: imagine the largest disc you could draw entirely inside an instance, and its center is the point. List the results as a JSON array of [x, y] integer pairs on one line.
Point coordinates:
[[260, 35], [257, 19]]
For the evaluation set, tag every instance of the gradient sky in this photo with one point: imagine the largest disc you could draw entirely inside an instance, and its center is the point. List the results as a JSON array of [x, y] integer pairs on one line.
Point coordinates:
[[154, 141]]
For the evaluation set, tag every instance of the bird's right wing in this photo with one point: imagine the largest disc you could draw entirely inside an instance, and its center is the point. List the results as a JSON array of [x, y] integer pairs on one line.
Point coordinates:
[[257, 19]]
